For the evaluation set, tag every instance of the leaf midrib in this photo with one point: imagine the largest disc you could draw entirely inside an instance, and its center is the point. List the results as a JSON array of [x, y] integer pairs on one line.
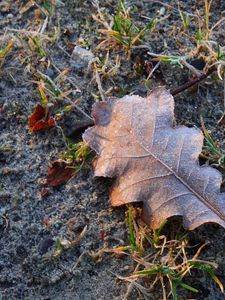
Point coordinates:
[[204, 200]]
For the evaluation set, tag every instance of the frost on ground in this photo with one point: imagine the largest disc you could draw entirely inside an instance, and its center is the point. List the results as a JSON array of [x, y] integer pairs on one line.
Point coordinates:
[[33, 220]]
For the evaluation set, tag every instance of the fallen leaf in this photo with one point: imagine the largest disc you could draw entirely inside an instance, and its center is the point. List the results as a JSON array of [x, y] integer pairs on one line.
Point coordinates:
[[40, 120], [154, 162], [59, 173]]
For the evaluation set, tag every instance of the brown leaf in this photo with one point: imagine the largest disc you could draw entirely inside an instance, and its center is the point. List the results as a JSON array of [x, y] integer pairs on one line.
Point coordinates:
[[59, 173], [153, 162], [39, 120]]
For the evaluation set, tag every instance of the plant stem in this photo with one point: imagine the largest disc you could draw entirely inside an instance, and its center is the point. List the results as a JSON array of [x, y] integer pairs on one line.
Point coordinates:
[[191, 83], [85, 124]]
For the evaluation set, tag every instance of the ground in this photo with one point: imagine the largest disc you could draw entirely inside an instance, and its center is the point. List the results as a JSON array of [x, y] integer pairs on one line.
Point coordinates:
[[31, 222]]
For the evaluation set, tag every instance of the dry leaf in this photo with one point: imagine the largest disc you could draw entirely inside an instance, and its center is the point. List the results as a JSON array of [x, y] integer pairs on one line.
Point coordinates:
[[59, 173], [40, 120], [153, 162]]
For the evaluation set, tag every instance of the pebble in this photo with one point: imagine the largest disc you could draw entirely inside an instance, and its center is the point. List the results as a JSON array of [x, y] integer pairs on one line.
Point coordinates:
[[50, 73], [5, 6], [3, 210], [9, 16], [80, 58]]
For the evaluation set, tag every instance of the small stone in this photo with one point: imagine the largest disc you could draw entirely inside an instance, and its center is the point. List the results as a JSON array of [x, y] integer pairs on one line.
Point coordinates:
[[9, 16], [80, 58], [50, 73], [57, 224], [5, 7], [2, 209]]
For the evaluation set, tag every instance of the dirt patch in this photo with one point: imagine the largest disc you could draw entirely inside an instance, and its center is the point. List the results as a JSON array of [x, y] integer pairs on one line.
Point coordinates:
[[30, 223]]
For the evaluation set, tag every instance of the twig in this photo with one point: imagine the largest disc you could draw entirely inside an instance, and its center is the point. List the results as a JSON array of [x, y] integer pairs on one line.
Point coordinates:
[[163, 287], [42, 30], [67, 78], [219, 23], [139, 287], [29, 32], [153, 70], [80, 237], [84, 125], [191, 83], [78, 260], [192, 69], [98, 80], [131, 285], [63, 50]]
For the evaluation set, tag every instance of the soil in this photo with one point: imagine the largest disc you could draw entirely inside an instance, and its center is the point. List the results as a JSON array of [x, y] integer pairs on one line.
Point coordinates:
[[30, 222]]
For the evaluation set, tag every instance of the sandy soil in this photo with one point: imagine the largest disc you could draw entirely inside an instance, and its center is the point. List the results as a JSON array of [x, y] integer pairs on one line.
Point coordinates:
[[30, 223]]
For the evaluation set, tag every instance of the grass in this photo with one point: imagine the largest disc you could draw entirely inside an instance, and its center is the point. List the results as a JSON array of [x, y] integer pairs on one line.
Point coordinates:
[[211, 150], [185, 19], [158, 259], [45, 7], [78, 153], [205, 48], [49, 7], [6, 50], [122, 30]]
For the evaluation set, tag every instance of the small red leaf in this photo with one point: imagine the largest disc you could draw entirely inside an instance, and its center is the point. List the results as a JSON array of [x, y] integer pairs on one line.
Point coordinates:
[[40, 125], [37, 115], [51, 122], [40, 120], [59, 173]]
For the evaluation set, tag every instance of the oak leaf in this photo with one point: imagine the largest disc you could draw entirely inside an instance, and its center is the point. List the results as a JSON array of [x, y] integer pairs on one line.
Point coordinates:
[[155, 162]]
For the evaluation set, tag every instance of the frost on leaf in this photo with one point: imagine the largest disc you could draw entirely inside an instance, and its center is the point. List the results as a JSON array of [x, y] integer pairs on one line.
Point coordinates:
[[154, 162]]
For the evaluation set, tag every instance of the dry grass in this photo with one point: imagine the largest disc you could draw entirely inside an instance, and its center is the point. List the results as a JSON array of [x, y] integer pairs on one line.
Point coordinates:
[[158, 259]]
